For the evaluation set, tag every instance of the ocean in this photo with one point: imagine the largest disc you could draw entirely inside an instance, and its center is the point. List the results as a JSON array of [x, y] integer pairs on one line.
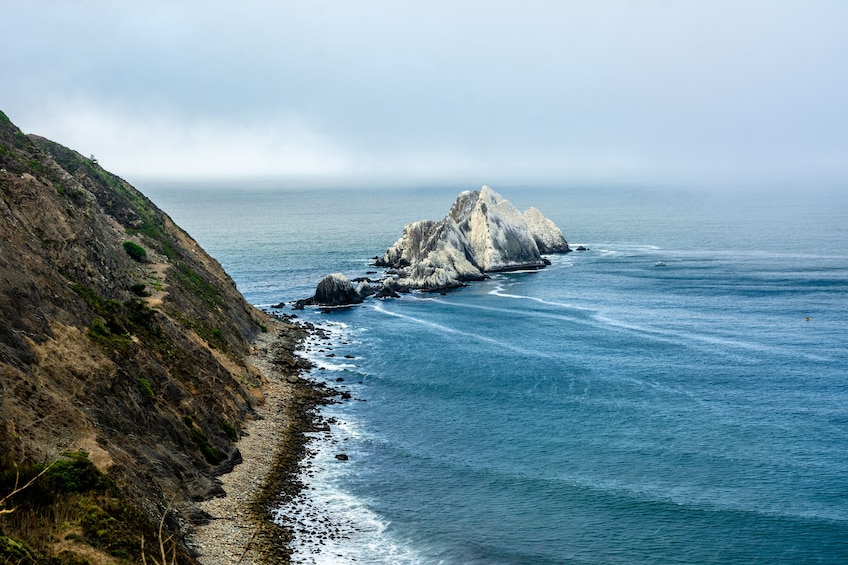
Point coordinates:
[[601, 410]]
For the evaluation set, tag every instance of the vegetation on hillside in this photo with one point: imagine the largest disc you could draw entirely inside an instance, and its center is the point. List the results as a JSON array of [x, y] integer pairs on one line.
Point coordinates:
[[122, 359]]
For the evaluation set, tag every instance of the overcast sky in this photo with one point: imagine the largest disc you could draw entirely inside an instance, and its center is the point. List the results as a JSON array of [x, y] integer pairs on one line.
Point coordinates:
[[602, 90]]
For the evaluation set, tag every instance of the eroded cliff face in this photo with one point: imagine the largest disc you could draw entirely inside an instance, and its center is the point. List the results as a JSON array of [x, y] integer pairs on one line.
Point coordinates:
[[481, 233], [121, 340], [548, 237]]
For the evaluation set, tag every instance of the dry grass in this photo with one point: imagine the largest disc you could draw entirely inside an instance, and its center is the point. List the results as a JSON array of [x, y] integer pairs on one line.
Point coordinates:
[[81, 525], [163, 542], [156, 279], [20, 488]]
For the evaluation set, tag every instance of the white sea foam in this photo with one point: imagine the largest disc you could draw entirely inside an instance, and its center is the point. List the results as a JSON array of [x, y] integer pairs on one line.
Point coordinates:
[[719, 345], [330, 524], [334, 527], [500, 290], [688, 339], [318, 348]]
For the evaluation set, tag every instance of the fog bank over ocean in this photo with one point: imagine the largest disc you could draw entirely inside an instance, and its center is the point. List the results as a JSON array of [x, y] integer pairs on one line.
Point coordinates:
[[616, 91]]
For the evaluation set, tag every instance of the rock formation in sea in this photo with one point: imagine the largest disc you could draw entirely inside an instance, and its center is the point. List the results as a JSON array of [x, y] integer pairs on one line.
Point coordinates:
[[548, 236], [482, 233]]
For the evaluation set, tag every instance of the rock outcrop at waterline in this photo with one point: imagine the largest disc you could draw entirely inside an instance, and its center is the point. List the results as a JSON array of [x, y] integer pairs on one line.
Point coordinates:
[[336, 290], [482, 233]]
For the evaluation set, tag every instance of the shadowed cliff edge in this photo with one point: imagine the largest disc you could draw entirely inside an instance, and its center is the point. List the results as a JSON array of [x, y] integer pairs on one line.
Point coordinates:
[[124, 358]]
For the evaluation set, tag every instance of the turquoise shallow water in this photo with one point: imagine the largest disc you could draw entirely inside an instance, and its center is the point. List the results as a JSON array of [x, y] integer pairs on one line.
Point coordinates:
[[603, 410]]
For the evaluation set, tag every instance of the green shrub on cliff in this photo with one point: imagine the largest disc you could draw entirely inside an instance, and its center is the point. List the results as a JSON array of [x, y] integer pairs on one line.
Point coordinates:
[[211, 453], [230, 430], [135, 251], [15, 551], [145, 386], [139, 289], [117, 320], [71, 500]]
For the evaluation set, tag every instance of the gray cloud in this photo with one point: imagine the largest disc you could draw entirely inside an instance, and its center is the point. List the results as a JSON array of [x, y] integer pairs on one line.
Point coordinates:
[[619, 89]]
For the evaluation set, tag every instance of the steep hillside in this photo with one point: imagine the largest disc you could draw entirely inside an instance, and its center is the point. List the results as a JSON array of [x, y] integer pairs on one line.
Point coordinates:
[[122, 348]]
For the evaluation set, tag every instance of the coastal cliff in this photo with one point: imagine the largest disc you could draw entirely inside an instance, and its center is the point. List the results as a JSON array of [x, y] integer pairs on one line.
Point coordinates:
[[123, 363]]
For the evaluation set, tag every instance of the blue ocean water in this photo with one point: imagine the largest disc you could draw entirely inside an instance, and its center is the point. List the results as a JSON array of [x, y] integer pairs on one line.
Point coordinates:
[[602, 410]]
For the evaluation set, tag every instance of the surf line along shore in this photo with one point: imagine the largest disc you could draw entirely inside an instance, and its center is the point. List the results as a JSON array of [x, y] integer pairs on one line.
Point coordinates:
[[241, 527]]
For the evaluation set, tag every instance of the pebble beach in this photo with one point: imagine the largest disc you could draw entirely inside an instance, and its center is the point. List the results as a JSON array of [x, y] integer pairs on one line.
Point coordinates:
[[240, 530]]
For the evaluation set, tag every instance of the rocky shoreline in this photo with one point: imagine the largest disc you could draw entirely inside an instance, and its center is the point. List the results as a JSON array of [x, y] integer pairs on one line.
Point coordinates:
[[240, 527]]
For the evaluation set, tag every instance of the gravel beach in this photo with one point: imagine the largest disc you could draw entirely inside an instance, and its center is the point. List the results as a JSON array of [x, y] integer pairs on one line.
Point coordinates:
[[240, 530]]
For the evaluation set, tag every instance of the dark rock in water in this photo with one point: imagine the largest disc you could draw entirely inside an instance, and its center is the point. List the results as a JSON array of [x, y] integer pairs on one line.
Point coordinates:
[[342, 456], [364, 290], [581, 248], [336, 290], [386, 292]]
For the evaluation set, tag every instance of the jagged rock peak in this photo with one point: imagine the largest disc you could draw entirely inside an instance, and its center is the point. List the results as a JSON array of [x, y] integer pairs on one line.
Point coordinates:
[[548, 236], [482, 232]]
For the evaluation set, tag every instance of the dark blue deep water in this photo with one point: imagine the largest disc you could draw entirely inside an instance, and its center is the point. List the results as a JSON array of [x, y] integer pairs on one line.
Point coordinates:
[[603, 410]]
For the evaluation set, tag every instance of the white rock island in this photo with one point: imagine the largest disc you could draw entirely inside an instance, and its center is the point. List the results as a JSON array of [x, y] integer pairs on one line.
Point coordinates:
[[482, 233]]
